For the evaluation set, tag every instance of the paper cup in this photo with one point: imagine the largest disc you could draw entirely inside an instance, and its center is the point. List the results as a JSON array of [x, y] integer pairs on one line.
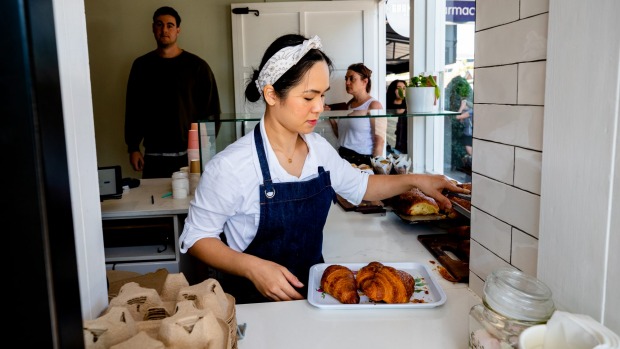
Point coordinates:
[[194, 166], [180, 175], [533, 337], [179, 193], [192, 139]]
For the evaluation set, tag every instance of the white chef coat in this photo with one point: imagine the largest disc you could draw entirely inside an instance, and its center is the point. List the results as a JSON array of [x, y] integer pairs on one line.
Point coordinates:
[[227, 198]]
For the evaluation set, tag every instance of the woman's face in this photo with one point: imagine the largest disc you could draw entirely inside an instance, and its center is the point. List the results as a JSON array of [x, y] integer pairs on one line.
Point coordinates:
[[354, 82], [400, 89], [299, 111]]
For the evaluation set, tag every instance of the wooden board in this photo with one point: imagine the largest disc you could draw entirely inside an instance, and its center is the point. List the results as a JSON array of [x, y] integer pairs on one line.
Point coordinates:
[[439, 244], [364, 207]]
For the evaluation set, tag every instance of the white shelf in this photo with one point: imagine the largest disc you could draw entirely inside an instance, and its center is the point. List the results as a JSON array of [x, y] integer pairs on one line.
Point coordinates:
[[139, 253]]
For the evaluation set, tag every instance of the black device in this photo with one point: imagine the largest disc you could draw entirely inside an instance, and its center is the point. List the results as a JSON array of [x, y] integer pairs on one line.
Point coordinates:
[[110, 182]]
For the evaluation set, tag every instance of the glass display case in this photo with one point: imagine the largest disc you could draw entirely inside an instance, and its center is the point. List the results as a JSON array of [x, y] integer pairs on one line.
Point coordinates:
[[431, 139]]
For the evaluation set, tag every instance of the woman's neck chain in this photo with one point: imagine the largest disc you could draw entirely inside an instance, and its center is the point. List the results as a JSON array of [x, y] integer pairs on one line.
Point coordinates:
[[288, 158]]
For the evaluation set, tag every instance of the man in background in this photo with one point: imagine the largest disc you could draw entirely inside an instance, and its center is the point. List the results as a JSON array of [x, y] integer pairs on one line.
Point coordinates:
[[168, 89]]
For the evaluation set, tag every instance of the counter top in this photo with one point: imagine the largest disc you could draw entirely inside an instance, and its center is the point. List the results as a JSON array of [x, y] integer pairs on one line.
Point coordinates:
[[349, 237], [353, 237], [137, 202]]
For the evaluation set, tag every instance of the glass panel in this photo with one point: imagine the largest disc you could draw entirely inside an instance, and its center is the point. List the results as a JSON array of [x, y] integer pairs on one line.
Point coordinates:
[[234, 126]]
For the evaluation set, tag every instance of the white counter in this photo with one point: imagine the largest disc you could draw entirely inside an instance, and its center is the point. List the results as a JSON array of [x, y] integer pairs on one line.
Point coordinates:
[[137, 202], [352, 237]]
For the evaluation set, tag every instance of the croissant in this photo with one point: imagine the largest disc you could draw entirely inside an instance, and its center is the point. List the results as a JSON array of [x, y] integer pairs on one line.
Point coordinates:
[[384, 283], [339, 282]]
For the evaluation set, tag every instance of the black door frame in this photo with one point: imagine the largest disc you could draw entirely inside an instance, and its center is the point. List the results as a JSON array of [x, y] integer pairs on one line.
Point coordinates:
[[42, 282]]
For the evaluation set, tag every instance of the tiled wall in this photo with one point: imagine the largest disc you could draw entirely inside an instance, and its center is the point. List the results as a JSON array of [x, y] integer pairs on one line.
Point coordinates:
[[511, 51]]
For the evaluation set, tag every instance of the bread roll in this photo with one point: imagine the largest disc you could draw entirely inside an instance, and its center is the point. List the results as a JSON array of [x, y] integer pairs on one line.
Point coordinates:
[[414, 203]]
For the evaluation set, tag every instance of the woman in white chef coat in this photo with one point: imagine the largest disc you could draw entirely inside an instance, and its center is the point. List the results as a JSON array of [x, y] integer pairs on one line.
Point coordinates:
[[261, 204]]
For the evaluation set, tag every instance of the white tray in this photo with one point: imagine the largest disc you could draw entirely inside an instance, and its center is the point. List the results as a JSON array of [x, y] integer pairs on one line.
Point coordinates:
[[427, 292]]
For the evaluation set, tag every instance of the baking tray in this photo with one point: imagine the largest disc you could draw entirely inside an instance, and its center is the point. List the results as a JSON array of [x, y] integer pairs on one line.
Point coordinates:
[[460, 209], [427, 293], [364, 207]]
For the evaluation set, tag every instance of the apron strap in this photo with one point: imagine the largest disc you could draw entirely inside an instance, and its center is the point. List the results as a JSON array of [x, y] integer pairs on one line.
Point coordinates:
[[270, 192]]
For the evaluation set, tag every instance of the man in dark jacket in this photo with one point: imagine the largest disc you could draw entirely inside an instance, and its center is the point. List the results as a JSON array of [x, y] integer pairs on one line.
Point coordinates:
[[168, 90]]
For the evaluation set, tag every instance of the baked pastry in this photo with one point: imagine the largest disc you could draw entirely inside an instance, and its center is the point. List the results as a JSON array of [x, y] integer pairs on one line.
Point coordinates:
[[466, 204], [465, 186], [339, 282], [414, 203], [382, 283]]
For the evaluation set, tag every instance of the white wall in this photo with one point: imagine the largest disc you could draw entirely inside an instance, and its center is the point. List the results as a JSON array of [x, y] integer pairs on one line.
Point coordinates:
[[545, 141], [580, 235], [510, 63], [70, 26]]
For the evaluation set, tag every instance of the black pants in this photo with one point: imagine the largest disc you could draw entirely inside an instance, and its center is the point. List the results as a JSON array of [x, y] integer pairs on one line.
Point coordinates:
[[354, 157]]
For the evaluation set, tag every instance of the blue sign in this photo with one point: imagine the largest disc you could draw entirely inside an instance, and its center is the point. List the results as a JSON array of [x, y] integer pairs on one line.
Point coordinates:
[[460, 11]]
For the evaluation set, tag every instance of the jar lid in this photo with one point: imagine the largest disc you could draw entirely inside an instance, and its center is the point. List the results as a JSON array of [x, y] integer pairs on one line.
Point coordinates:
[[517, 295]]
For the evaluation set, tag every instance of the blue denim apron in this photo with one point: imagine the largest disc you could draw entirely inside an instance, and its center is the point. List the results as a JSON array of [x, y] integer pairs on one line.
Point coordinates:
[[290, 230]]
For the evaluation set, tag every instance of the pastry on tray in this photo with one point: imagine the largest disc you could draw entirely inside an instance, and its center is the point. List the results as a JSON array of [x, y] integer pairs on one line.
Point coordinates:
[[381, 283], [339, 282], [414, 203]]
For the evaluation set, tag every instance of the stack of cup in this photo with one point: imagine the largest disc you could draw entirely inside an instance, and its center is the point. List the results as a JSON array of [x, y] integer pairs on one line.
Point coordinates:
[[193, 151], [180, 185], [194, 175]]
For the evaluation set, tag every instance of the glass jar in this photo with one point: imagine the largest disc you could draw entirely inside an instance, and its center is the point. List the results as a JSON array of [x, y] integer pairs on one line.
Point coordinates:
[[512, 302]]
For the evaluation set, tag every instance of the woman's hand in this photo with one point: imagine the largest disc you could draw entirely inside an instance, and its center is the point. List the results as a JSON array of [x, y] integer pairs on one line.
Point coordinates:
[[433, 186], [275, 281]]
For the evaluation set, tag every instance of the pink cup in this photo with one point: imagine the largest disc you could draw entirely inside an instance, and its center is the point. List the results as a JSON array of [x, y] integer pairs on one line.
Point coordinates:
[[192, 139]]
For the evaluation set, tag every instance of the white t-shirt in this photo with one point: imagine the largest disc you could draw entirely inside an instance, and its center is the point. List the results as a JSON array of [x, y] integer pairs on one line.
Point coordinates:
[[227, 198], [355, 133]]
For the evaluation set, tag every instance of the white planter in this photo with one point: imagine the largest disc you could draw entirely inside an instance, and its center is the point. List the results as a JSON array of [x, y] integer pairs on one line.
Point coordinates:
[[421, 100]]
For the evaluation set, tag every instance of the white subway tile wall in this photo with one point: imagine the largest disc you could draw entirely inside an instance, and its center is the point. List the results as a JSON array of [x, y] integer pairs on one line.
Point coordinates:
[[492, 233], [495, 160], [485, 262], [528, 164], [521, 126], [510, 64], [500, 85], [490, 13], [533, 7], [524, 252], [515, 42], [531, 82]]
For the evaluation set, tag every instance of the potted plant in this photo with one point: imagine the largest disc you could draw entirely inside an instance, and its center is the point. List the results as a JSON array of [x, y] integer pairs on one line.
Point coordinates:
[[422, 94]]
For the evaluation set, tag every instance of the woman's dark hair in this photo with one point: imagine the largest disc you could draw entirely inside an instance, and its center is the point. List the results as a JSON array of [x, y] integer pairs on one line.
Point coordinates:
[[292, 76], [390, 94], [362, 70], [166, 10]]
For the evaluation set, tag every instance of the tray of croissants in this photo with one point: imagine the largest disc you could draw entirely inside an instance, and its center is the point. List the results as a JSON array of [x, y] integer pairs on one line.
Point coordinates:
[[373, 285]]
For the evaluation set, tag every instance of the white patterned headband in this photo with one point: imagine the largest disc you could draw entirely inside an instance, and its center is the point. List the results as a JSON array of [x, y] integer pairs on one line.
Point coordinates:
[[283, 60]]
